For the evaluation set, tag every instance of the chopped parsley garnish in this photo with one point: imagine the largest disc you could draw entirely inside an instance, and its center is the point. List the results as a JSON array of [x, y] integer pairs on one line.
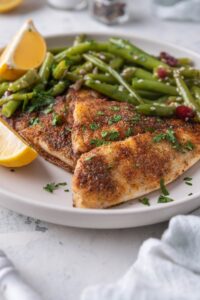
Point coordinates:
[[98, 142], [163, 187], [113, 135], [100, 113], [94, 126], [115, 108], [165, 193], [57, 119], [145, 201], [48, 110], [114, 119], [169, 136], [84, 128], [136, 118], [66, 191], [190, 194], [110, 135], [34, 121], [149, 129], [188, 180], [128, 132], [188, 146], [104, 133], [89, 157], [164, 199], [40, 100], [188, 183], [51, 187]]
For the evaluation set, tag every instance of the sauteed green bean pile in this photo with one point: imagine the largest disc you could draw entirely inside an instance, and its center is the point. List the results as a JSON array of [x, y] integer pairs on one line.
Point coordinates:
[[163, 86]]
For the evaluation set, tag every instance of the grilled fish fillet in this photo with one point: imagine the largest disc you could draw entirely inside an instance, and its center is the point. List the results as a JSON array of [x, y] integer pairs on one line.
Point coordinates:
[[122, 160], [97, 121], [120, 171], [51, 142]]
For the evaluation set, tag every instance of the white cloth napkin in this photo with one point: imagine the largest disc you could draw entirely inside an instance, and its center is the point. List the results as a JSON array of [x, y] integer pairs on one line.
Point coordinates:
[[167, 269], [178, 9]]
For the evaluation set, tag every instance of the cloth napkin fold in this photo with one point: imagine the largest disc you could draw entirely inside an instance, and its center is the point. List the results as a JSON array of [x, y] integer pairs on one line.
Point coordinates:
[[167, 269], [188, 10]]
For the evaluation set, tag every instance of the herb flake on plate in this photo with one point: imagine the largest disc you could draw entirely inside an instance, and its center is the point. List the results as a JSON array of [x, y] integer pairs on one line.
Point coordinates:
[[145, 201], [164, 199], [188, 180], [51, 187], [163, 188]]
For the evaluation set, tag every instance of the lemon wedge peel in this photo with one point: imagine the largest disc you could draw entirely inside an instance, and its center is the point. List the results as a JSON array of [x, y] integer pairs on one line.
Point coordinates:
[[26, 51]]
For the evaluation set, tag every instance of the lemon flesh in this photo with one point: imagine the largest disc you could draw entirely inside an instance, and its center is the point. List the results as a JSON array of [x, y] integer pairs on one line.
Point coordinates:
[[13, 151], [26, 51], [7, 5]]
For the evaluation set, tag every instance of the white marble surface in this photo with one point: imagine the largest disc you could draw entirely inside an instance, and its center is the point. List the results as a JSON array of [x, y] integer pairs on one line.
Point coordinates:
[[58, 261]]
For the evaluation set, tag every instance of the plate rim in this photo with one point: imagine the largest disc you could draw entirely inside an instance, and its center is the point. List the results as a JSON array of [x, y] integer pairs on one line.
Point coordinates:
[[109, 211]]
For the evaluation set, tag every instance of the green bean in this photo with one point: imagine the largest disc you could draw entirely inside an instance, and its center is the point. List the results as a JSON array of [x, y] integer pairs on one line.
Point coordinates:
[[60, 69], [149, 95], [57, 50], [26, 81], [45, 69], [160, 110], [9, 108], [186, 95], [196, 92], [189, 72], [106, 68], [116, 63], [105, 56], [154, 86], [59, 88], [101, 78], [139, 56], [112, 91], [72, 77], [124, 53], [16, 97], [128, 74], [80, 49], [185, 61], [83, 69], [75, 59], [63, 66], [3, 88], [192, 82], [79, 39], [131, 72]]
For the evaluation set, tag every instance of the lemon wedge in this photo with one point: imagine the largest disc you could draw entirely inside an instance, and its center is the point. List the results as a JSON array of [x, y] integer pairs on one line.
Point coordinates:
[[13, 151], [7, 5], [26, 51]]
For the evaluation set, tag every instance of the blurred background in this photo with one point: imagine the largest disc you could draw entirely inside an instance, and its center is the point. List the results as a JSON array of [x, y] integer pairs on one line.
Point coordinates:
[[167, 20]]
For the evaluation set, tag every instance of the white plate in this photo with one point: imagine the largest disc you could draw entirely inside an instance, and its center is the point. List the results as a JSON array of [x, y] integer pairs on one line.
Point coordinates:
[[22, 190]]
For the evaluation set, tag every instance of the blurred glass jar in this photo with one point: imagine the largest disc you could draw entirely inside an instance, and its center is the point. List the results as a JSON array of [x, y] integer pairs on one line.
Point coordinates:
[[68, 4], [110, 11]]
